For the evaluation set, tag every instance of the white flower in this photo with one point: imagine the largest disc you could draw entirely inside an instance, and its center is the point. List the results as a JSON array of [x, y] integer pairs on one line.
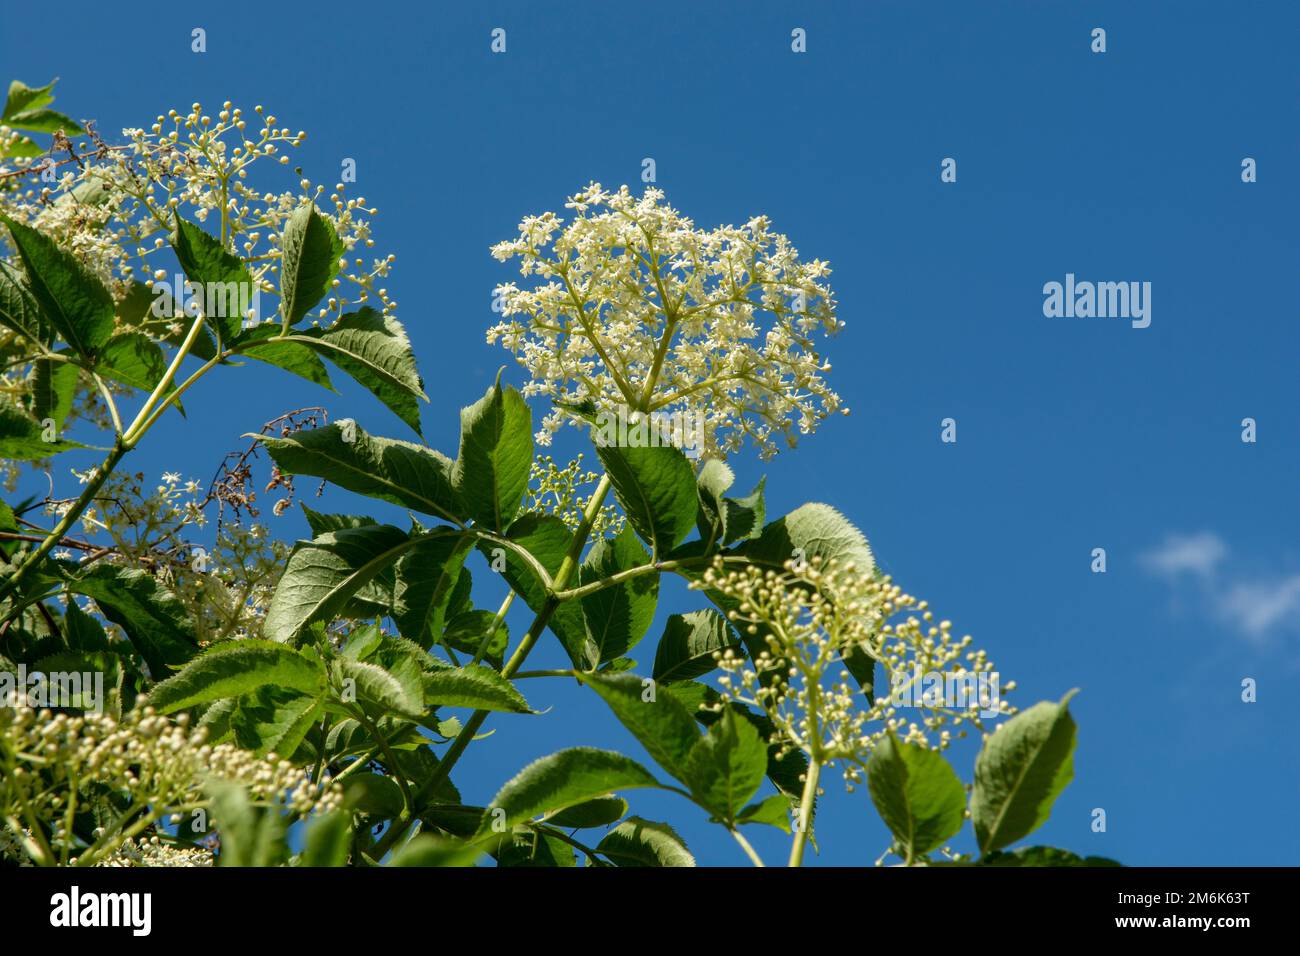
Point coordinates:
[[633, 307], [811, 618]]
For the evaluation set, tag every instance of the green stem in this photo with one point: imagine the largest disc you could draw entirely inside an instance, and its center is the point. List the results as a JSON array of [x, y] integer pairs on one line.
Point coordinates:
[[496, 623], [654, 567], [68, 820], [356, 765], [524, 675], [69, 518], [387, 751], [125, 442], [137, 428], [108, 402], [744, 845], [805, 811], [566, 570], [565, 838]]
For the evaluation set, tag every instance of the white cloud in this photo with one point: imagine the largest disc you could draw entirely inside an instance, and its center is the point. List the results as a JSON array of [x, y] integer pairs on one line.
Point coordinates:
[[1260, 608], [1256, 609], [1198, 554]]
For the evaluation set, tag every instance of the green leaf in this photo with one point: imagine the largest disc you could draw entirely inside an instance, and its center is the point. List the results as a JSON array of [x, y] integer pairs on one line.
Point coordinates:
[[250, 835], [374, 795], [547, 539], [458, 820], [321, 523], [54, 386], [658, 721], [460, 600], [133, 359], [7, 523], [711, 484], [1044, 856], [236, 668], [618, 616], [102, 668], [811, 531], [45, 121], [309, 261], [23, 97], [744, 517], [154, 619], [22, 438], [600, 812], [264, 343], [917, 794], [328, 840], [273, 719], [418, 766], [425, 581], [496, 453], [395, 471], [727, 520], [429, 850], [465, 632], [136, 307], [374, 350], [322, 575], [408, 662], [526, 847], [1022, 768], [474, 686], [638, 842], [216, 720], [563, 779], [688, 644], [81, 631], [774, 812], [70, 296], [726, 767], [656, 487], [227, 286], [362, 642], [19, 310], [380, 690]]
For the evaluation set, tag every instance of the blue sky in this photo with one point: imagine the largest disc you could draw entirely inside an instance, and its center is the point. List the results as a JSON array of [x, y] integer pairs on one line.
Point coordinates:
[[1073, 433]]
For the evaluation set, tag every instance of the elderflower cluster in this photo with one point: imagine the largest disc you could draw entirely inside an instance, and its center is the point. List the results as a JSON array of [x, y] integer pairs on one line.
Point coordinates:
[[811, 617], [154, 852], [226, 585], [636, 309], [115, 207], [156, 762], [559, 491]]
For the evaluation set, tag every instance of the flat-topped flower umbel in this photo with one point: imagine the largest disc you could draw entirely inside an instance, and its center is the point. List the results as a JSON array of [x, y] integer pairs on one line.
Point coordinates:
[[637, 309]]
